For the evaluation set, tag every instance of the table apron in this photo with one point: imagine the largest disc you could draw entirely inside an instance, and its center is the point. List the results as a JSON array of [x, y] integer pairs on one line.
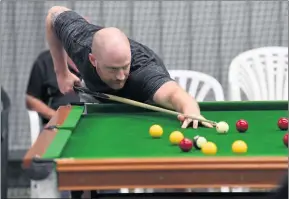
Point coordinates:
[[88, 180]]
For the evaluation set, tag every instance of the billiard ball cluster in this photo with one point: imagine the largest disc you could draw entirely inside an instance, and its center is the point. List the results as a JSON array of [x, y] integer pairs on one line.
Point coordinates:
[[187, 144], [184, 143], [208, 147], [198, 142], [177, 138]]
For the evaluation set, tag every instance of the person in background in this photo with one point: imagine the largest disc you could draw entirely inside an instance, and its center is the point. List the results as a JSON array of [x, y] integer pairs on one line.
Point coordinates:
[[44, 97], [43, 94]]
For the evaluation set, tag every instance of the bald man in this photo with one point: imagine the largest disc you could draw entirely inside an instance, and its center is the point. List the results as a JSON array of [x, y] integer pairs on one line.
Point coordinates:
[[112, 63]]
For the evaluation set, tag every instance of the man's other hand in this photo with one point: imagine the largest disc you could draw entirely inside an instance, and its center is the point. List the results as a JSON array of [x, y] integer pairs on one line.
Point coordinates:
[[66, 81]]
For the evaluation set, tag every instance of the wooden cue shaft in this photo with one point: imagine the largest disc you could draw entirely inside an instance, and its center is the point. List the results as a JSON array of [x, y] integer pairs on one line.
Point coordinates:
[[155, 108]]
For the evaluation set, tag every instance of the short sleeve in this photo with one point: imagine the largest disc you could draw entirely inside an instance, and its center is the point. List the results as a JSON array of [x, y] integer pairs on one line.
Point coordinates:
[[36, 80], [147, 80], [75, 34]]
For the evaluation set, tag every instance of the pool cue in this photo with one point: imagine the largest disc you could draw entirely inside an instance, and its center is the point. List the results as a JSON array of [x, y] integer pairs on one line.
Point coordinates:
[[138, 104]]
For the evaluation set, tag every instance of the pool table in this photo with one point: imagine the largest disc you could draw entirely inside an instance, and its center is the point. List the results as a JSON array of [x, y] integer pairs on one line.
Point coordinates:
[[108, 146]]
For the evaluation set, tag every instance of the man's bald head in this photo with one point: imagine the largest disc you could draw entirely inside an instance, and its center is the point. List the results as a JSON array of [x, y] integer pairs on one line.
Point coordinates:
[[111, 47], [111, 56]]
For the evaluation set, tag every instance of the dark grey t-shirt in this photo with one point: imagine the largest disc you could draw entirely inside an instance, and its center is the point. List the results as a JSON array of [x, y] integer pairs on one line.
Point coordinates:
[[147, 73]]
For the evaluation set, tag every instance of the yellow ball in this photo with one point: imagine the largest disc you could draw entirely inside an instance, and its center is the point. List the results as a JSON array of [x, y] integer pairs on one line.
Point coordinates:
[[239, 146], [156, 131], [176, 137], [209, 148]]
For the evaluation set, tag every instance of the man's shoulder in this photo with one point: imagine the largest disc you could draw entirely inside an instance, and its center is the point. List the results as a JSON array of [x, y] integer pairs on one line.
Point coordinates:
[[43, 60], [143, 56], [44, 55], [138, 47]]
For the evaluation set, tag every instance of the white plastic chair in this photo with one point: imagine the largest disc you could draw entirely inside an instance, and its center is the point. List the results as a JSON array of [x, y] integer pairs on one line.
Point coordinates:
[[191, 81], [260, 74], [34, 121], [35, 127]]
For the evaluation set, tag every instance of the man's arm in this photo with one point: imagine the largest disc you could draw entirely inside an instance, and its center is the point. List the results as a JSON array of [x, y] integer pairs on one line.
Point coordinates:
[[37, 105], [56, 47], [154, 83], [68, 31], [171, 95]]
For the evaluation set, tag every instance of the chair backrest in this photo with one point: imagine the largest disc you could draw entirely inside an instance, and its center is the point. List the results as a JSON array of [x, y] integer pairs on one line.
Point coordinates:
[[259, 74], [35, 125], [198, 84]]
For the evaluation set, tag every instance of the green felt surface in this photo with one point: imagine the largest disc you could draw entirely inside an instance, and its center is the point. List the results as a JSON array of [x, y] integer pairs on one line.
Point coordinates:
[[118, 134], [59, 142], [73, 117]]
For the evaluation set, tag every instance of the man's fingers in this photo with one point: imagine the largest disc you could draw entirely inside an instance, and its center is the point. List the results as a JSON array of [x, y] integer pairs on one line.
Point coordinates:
[[195, 124], [77, 81], [181, 118], [186, 123], [69, 90], [206, 124]]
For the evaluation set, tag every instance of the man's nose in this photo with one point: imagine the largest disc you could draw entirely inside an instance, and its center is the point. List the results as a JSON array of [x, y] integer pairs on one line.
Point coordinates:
[[120, 75]]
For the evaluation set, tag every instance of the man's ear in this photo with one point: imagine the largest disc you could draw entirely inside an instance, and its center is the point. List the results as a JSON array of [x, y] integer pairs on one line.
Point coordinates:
[[92, 59]]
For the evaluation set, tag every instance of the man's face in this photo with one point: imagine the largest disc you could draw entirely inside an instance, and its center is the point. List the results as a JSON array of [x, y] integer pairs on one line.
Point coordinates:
[[114, 76]]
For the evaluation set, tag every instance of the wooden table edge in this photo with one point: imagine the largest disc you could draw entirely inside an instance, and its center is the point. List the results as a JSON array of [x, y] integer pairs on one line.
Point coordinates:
[[233, 163], [46, 136], [252, 187]]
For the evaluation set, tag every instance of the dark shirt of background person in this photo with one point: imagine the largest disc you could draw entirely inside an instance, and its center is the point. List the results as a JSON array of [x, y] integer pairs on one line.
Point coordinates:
[[43, 95]]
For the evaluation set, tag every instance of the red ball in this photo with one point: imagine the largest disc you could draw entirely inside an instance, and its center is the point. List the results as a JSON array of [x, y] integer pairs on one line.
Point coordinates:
[[285, 139], [186, 144], [283, 123], [242, 125]]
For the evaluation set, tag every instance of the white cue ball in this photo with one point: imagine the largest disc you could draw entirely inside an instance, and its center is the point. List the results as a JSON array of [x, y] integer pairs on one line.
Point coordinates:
[[222, 127], [201, 141]]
